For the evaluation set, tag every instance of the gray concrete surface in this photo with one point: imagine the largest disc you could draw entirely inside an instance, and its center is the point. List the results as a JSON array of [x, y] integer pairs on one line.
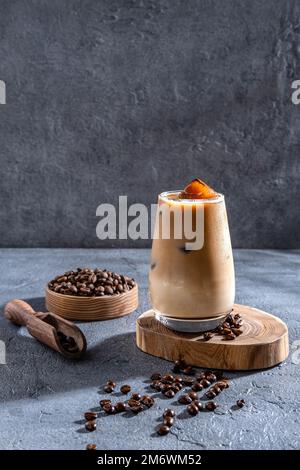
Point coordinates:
[[136, 97], [43, 395]]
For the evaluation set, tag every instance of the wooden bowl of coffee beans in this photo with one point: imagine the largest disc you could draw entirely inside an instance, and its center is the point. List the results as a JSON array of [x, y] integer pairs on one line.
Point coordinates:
[[91, 294]]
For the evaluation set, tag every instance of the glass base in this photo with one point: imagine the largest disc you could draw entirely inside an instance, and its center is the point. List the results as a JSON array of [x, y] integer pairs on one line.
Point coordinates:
[[197, 325]]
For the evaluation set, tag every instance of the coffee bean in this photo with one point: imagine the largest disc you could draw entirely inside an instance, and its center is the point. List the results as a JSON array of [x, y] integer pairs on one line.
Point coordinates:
[[185, 399], [136, 409], [216, 390], [156, 376], [156, 385], [222, 384], [240, 403], [237, 331], [229, 336], [108, 290], [104, 402], [108, 389], [211, 377], [90, 426], [90, 415], [165, 388], [167, 379], [192, 409], [109, 409], [193, 395], [210, 394], [91, 447], [120, 407], [199, 405], [169, 393], [163, 430], [188, 381], [205, 383], [168, 421], [125, 389], [136, 396], [178, 379], [207, 336], [147, 401], [176, 387], [133, 403], [169, 412], [111, 383], [210, 406], [197, 387]]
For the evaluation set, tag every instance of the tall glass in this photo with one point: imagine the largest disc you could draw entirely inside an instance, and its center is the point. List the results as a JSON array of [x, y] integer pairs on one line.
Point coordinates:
[[192, 284]]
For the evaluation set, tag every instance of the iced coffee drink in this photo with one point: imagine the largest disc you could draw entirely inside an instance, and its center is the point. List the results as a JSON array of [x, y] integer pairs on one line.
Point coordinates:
[[189, 280]]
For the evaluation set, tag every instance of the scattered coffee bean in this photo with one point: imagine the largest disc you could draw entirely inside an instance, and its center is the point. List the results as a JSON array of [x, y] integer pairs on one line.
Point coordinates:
[[136, 396], [193, 395], [178, 379], [109, 409], [199, 405], [133, 403], [210, 406], [229, 336], [136, 409], [90, 283], [169, 393], [165, 388], [120, 407], [147, 401], [211, 377], [91, 447], [90, 415], [188, 381], [216, 390], [163, 430], [240, 403], [104, 402], [169, 412], [210, 394], [176, 387], [167, 379], [197, 387], [90, 426], [108, 389], [156, 385], [205, 383], [168, 421], [111, 383], [192, 409], [156, 376], [222, 384], [185, 399], [207, 336], [125, 389]]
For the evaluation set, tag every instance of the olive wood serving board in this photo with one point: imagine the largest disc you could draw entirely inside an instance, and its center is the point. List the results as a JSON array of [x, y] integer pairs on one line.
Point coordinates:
[[264, 342]]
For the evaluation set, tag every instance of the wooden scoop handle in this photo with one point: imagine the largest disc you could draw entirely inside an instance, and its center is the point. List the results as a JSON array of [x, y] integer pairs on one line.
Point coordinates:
[[18, 312]]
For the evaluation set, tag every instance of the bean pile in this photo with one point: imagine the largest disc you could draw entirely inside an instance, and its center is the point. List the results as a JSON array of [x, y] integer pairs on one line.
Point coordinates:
[[230, 328], [86, 282], [67, 342], [183, 377]]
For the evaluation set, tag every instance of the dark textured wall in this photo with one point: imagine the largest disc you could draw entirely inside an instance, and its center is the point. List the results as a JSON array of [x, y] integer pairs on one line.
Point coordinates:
[[114, 97]]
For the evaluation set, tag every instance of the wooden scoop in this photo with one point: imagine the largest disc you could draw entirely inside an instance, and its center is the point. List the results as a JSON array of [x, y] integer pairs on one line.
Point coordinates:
[[48, 328]]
